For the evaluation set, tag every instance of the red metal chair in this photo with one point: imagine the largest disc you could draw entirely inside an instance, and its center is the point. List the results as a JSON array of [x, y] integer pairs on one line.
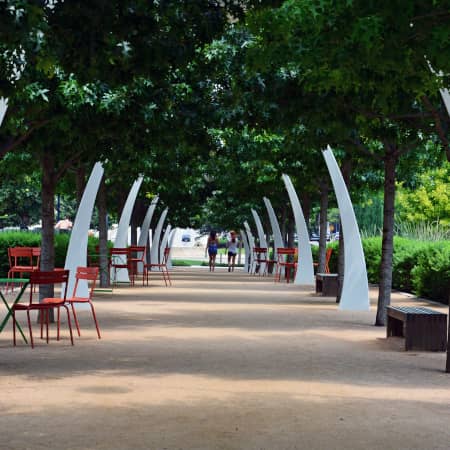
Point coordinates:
[[21, 262], [118, 259], [260, 259], [162, 268], [286, 262], [136, 257], [327, 260], [38, 278], [89, 274]]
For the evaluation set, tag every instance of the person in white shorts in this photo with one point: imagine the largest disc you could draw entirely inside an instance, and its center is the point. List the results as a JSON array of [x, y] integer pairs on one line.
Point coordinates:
[[232, 245]]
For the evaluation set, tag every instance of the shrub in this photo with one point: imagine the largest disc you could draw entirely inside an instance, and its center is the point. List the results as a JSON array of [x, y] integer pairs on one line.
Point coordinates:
[[29, 239], [15, 239], [405, 256], [431, 275], [372, 252]]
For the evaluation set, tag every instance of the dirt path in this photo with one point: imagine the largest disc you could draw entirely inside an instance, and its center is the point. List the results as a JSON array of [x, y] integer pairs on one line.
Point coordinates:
[[223, 361]]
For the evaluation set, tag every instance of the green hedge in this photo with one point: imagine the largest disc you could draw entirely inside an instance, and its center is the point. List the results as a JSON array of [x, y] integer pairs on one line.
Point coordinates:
[[419, 267], [422, 268], [30, 239]]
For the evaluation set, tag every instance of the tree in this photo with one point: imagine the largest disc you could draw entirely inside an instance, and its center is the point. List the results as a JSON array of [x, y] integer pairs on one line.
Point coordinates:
[[370, 58]]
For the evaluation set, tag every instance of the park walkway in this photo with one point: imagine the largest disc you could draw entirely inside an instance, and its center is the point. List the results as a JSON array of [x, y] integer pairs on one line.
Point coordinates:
[[223, 361]]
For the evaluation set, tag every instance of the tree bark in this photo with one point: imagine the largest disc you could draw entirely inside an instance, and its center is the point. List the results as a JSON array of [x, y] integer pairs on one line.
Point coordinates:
[[48, 220], [306, 206], [447, 368], [290, 233], [103, 235], [283, 224], [323, 231], [346, 173], [80, 180], [341, 263], [387, 250]]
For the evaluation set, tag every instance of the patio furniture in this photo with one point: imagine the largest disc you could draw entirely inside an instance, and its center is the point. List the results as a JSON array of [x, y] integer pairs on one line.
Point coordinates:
[[118, 261], [23, 282], [327, 260], [22, 260], [88, 274], [260, 260], [161, 268], [40, 278], [93, 260], [286, 263], [422, 328], [136, 258]]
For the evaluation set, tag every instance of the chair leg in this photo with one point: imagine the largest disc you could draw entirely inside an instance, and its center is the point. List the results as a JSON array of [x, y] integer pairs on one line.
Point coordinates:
[[29, 328], [41, 317], [164, 275], [68, 321], [58, 323], [95, 319], [14, 326], [75, 318], [47, 319]]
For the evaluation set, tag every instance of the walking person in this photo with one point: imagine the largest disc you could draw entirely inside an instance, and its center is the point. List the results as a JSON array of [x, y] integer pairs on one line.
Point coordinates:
[[212, 245], [232, 245]]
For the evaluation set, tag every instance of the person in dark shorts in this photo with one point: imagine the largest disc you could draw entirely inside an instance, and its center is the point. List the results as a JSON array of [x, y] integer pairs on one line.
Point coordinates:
[[232, 246], [212, 245]]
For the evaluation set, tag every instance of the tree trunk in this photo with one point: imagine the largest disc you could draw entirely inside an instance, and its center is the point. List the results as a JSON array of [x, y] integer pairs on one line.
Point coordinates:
[[103, 235], [346, 173], [48, 221], [323, 225], [387, 250], [283, 224], [305, 199], [341, 263], [447, 368], [290, 233], [80, 180]]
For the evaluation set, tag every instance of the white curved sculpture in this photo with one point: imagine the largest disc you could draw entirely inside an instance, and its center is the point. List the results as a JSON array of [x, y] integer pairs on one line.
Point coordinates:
[[251, 244], [164, 242], [246, 250], [445, 96], [171, 238], [355, 289], [121, 241], [3, 108], [143, 237], [261, 237], [78, 243], [278, 239], [154, 256], [305, 268]]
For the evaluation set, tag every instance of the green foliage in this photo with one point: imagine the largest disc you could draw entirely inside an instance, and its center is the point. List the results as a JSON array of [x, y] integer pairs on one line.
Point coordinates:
[[429, 201], [15, 239], [422, 231], [405, 258], [422, 268], [431, 274], [372, 252], [29, 239], [369, 214]]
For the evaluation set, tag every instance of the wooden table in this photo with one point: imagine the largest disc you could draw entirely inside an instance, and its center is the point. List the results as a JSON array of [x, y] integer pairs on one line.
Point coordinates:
[[23, 283], [422, 328]]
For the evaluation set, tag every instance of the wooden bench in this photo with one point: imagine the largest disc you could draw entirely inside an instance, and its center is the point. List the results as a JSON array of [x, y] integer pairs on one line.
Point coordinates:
[[327, 284], [422, 328]]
